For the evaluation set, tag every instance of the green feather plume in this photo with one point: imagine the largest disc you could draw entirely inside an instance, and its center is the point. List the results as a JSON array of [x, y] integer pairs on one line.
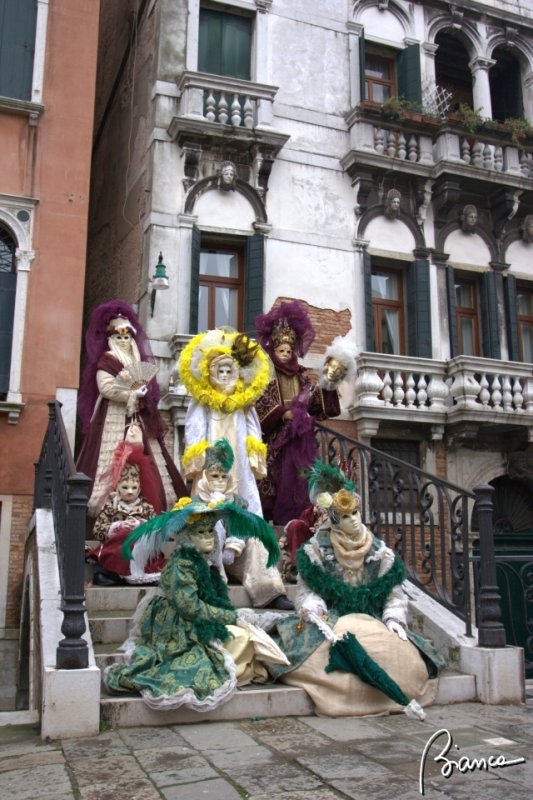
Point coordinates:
[[221, 453], [146, 541], [326, 478]]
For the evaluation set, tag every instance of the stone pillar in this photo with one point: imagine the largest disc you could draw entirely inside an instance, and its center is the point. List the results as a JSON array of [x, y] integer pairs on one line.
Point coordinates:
[[23, 261], [480, 85], [354, 33]]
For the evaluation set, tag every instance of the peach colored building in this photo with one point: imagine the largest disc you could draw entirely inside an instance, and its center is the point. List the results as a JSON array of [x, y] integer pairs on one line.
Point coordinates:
[[48, 53]]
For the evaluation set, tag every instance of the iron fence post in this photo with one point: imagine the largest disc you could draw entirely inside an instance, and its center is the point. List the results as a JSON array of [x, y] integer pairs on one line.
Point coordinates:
[[72, 651], [491, 632]]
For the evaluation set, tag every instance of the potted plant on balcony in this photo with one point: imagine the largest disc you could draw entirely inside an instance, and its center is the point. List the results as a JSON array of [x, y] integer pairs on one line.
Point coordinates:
[[470, 119], [519, 130]]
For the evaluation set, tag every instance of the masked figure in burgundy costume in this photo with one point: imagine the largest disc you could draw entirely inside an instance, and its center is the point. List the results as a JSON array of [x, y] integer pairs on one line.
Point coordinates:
[[108, 405], [288, 410]]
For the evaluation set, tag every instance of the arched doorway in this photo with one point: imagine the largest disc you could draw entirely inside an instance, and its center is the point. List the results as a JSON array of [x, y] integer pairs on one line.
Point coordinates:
[[505, 86], [452, 71]]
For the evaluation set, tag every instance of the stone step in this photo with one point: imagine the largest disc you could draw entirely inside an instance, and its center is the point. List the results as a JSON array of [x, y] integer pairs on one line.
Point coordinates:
[[99, 598], [273, 700], [455, 687]]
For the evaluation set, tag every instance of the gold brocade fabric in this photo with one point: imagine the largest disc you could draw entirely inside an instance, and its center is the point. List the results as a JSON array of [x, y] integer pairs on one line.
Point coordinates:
[[350, 552], [289, 386]]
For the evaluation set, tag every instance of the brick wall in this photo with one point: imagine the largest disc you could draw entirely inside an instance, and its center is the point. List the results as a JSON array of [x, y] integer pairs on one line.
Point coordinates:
[[22, 511], [327, 323]]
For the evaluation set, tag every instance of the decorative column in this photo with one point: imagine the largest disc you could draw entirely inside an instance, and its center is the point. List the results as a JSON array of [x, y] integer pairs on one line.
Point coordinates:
[[480, 85], [23, 260], [491, 632], [430, 51], [354, 34]]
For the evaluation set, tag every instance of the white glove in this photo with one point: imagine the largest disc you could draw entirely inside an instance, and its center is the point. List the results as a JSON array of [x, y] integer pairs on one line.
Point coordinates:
[[228, 557], [319, 610], [396, 627], [141, 391]]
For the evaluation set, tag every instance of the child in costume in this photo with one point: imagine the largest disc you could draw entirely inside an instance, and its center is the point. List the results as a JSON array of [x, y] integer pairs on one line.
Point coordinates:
[[290, 405], [130, 484], [225, 373], [189, 646], [351, 649], [111, 399]]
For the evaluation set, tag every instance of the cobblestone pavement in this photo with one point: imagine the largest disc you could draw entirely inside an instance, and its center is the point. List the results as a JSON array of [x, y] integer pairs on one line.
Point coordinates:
[[291, 758]]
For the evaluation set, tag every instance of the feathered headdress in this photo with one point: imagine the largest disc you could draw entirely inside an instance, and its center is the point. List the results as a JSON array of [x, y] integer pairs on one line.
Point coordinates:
[[146, 541], [329, 488], [219, 454], [287, 322], [345, 352]]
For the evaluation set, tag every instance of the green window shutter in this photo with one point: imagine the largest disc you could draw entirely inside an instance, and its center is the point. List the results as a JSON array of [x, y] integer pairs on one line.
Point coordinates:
[[452, 312], [418, 309], [195, 279], [225, 44], [362, 87], [511, 319], [369, 310], [17, 46], [8, 288], [253, 280], [409, 76], [489, 316]]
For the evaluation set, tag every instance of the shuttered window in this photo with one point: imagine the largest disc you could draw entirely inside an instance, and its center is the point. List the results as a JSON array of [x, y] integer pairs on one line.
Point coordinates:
[[226, 282], [386, 73], [17, 47], [8, 287], [225, 44]]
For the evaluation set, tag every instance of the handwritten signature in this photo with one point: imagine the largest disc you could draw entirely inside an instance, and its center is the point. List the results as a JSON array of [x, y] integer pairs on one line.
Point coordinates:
[[463, 764]]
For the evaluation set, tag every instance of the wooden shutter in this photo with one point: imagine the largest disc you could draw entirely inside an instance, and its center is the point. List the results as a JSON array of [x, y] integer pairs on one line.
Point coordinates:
[[489, 316], [418, 310], [369, 310], [224, 44], [362, 88], [452, 312], [8, 288], [195, 279], [511, 318], [253, 280], [409, 76], [17, 47]]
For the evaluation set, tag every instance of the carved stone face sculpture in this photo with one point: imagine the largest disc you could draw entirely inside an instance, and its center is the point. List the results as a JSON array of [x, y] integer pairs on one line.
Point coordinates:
[[469, 218], [392, 203], [284, 352], [333, 370], [228, 176], [527, 229]]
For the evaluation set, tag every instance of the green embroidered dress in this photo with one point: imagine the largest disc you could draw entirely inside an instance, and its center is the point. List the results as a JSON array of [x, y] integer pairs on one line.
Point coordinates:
[[175, 652]]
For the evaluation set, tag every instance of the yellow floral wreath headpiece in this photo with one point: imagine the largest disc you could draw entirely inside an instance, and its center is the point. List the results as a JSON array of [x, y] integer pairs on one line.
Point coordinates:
[[194, 372]]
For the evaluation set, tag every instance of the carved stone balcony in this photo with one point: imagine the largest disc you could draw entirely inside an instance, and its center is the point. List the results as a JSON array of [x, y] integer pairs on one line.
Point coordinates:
[[423, 146], [459, 396], [214, 110]]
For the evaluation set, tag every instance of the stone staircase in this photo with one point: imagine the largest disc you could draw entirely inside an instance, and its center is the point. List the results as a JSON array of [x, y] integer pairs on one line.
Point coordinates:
[[110, 611]]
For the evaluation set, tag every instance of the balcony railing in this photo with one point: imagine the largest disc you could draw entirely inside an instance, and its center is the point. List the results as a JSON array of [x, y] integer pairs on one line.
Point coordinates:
[[226, 101], [442, 389]]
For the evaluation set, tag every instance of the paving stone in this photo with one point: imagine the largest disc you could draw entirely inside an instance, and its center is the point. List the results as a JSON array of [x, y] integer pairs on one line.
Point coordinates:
[[345, 729], [494, 790], [336, 766], [217, 789], [234, 757], [387, 751], [287, 735], [35, 782], [148, 738], [34, 759], [102, 746], [213, 735], [316, 794], [383, 788], [119, 769], [280, 777], [139, 788], [165, 769]]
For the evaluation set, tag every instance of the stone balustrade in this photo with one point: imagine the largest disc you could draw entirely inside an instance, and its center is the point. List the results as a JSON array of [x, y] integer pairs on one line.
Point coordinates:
[[464, 383], [226, 101]]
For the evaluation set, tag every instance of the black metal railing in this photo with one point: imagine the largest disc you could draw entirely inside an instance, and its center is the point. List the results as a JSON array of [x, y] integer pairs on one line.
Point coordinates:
[[64, 491], [425, 520]]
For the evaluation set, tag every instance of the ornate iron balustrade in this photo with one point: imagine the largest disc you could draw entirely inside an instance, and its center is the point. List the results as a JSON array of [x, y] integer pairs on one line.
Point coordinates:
[[425, 520], [63, 490]]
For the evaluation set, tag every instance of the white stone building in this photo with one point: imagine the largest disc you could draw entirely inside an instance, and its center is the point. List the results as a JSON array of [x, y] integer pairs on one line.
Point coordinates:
[[331, 112]]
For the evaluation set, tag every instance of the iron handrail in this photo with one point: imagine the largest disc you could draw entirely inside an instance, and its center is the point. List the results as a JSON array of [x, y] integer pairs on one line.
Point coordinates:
[[63, 490], [425, 520]]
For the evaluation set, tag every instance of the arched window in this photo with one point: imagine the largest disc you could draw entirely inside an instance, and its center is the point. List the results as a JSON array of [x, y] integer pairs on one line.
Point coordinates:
[[505, 86], [452, 71], [8, 287]]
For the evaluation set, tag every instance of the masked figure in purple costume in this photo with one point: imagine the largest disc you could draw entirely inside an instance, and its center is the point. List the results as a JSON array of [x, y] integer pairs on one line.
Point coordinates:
[[109, 404], [288, 410]]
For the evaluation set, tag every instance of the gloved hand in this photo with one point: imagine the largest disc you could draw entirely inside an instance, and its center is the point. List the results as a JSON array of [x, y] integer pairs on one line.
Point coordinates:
[[228, 557], [396, 627], [319, 609], [141, 391]]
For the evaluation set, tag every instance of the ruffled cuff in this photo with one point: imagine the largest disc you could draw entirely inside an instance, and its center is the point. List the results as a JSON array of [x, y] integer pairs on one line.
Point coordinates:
[[194, 458]]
